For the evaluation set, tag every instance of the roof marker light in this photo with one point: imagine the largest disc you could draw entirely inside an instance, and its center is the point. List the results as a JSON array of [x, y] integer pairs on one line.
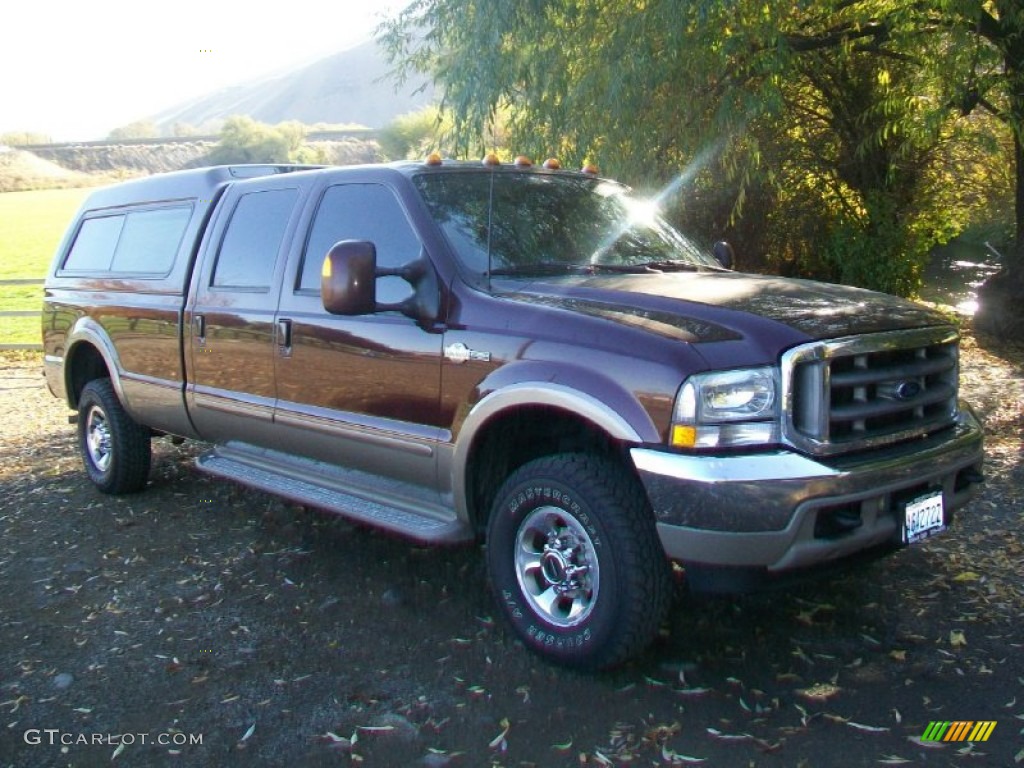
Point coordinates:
[[589, 168], [434, 158], [523, 162], [552, 164], [491, 159]]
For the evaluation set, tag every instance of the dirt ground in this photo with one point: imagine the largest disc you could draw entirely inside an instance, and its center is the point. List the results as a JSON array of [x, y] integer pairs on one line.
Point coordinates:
[[202, 624]]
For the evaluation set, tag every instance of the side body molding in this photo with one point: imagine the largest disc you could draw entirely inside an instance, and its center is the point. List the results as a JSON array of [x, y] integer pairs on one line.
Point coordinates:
[[531, 394]]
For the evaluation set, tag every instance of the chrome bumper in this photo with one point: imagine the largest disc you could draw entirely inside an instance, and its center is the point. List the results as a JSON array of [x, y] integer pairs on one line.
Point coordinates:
[[782, 510]]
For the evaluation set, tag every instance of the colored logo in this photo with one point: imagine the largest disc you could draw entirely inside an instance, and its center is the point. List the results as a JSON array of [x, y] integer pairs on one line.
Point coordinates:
[[958, 730]]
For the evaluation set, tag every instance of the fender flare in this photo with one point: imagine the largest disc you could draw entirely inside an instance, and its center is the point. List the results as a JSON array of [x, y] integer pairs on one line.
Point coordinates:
[[86, 330], [531, 393]]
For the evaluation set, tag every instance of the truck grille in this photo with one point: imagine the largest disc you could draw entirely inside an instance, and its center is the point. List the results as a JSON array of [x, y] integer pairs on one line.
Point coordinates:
[[851, 394]]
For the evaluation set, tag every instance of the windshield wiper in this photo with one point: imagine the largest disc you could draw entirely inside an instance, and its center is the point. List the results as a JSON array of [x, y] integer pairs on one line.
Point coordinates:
[[675, 265], [557, 268]]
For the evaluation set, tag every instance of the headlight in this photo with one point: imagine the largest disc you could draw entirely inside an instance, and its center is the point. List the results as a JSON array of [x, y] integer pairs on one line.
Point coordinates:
[[725, 409]]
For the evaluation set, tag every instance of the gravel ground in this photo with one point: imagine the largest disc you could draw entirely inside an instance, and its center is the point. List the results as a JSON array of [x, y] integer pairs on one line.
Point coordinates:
[[202, 624]]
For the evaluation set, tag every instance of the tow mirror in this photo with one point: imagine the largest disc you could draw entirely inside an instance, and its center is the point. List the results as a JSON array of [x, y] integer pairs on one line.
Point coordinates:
[[724, 253], [348, 279], [348, 283]]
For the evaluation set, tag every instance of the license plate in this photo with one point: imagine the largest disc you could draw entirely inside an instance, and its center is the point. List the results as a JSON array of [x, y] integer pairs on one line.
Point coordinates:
[[923, 517]]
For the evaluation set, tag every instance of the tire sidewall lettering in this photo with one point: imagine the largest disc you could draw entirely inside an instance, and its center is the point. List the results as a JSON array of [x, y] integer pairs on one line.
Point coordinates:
[[533, 630]]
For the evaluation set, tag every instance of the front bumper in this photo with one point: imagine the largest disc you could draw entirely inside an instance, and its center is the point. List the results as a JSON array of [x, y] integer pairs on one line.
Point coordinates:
[[782, 510]]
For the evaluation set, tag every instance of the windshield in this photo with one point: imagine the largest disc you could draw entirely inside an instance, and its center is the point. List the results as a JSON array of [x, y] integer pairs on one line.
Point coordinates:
[[546, 223]]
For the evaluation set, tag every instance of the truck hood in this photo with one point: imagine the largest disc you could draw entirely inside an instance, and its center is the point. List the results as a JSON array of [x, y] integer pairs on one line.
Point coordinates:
[[715, 306]]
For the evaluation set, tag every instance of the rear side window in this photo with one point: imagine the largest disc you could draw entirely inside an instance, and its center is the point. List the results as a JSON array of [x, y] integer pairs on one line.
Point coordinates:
[[253, 238], [142, 243], [150, 240]]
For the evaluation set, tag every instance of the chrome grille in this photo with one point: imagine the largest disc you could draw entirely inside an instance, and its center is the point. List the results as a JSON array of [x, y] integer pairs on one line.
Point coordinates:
[[850, 394]]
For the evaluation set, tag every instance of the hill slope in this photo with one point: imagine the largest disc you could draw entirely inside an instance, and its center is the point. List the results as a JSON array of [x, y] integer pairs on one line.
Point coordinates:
[[346, 87]]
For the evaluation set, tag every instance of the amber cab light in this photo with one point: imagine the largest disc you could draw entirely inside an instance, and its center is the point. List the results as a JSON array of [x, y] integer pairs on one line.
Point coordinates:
[[523, 162], [589, 168], [434, 158], [552, 164], [491, 159]]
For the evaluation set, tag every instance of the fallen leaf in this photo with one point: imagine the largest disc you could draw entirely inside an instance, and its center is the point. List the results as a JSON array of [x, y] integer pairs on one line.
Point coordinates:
[[868, 728], [898, 655], [967, 576], [717, 734], [957, 638], [893, 760], [692, 691], [248, 734], [117, 752], [926, 744], [674, 758], [819, 691], [498, 742]]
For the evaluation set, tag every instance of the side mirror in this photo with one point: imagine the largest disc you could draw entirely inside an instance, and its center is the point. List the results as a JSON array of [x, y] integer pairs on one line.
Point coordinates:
[[724, 253], [348, 279], [348, 283]]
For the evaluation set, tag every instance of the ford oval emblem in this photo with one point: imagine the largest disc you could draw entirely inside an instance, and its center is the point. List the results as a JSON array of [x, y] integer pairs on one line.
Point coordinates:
[[907, 390]]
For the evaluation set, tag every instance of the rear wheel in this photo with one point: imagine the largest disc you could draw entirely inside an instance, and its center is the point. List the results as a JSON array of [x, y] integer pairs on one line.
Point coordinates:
[[575, 560], [115, 449]]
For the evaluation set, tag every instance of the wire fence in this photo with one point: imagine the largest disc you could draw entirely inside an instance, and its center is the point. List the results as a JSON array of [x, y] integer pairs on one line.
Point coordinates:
[[20, 313]]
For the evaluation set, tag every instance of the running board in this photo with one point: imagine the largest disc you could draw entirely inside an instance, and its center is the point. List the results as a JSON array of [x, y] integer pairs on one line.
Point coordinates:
[[429, 530]]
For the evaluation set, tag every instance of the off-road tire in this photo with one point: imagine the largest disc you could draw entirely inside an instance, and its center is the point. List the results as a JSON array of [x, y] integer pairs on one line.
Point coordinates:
[[115, 449], [576, 513]]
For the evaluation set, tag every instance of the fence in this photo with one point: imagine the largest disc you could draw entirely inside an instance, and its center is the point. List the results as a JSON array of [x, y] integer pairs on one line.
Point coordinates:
[[20, 313]]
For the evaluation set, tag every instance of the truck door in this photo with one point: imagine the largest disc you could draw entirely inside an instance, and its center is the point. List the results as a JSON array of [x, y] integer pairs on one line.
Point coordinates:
[[230, 331], [359, 392]]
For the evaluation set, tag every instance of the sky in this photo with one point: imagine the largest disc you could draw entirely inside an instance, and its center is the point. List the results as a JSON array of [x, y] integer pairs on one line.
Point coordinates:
[[77, 70]]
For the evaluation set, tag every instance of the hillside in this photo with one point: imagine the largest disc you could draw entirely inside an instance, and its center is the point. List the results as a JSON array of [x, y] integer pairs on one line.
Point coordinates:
[[347, 87], [21, 170]]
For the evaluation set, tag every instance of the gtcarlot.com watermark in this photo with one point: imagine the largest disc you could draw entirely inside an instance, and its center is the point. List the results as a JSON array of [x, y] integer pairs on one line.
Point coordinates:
[[55, 737]]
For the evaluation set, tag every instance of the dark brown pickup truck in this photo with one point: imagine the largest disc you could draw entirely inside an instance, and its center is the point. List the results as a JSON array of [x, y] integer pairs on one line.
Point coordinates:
[[450, 350]]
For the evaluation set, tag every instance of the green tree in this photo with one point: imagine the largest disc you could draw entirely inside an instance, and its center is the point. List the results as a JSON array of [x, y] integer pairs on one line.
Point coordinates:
[[244, 140], [415, 135], [826, 109], [21, 138], [140, 129]]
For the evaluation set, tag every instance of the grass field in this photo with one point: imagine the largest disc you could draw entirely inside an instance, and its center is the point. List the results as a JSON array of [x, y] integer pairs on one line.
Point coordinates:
[[31, 226]]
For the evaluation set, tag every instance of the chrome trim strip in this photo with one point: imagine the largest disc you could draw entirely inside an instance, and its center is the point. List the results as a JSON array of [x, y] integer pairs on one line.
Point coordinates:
[[345, 430], [139, 378], [234, 403]]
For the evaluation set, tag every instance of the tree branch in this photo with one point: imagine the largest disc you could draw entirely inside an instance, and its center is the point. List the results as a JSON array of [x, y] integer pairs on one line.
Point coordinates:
[[837, 36]]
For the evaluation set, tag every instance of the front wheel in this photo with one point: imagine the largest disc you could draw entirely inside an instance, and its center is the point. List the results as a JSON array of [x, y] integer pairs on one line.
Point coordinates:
[[115, 448], [575, 560]]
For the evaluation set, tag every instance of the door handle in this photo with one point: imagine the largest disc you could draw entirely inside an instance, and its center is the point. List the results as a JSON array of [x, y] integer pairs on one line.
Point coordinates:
[[284, 336], [199, 327]]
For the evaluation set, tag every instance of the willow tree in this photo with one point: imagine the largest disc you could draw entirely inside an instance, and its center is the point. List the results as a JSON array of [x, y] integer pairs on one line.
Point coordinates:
[[656, 89]]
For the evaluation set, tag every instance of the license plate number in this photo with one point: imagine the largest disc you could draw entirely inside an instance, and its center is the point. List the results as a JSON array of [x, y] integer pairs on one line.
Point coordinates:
[[923, 517]]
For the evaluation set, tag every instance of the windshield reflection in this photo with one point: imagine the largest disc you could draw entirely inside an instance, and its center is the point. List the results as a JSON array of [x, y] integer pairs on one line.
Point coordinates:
[[528, 223]]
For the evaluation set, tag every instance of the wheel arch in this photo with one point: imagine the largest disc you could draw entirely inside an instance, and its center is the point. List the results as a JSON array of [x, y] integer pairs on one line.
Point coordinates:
[[90, 355], [525, 421]]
